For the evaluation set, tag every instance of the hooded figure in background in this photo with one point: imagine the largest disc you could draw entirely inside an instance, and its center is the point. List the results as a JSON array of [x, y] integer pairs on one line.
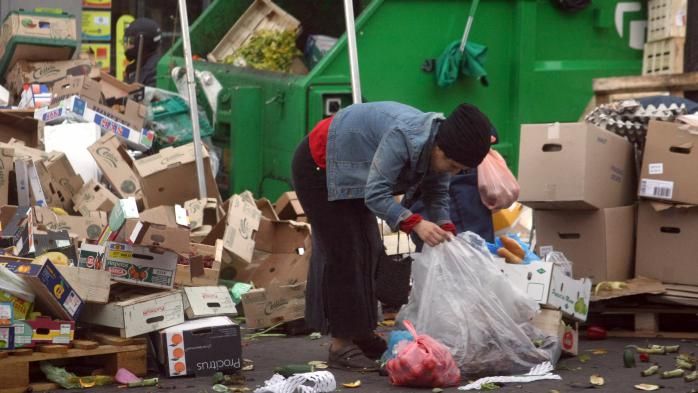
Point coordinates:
[[149, 32]]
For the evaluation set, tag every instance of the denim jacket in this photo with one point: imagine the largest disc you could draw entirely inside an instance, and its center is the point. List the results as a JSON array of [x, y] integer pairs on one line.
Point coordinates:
[[377, 150]]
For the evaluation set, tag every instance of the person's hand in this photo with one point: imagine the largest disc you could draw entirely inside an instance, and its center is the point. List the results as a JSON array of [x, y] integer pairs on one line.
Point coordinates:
[[431, 233]]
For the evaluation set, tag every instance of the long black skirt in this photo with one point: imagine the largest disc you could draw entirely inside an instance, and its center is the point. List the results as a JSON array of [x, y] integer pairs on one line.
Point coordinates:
[[340, 296]]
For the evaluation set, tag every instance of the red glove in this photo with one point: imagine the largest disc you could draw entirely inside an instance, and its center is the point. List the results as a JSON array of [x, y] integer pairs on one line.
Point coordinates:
[[409, 223], [449, 227]]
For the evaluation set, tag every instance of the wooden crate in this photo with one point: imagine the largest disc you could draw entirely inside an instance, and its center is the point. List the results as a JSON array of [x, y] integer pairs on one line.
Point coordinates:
[[663, 57], [609, 89], [17, 369], [261, 15], [647, 321], [666, 19]]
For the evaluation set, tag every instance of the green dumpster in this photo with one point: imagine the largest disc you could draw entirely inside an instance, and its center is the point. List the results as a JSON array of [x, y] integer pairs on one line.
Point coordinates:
[[540, 64]]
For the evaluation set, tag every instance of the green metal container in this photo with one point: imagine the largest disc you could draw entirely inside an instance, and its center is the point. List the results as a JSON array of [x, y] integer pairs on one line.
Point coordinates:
[[540, 64]]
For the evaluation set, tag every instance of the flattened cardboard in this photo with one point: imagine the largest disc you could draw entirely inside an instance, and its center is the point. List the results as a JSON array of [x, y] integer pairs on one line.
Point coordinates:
[[201, 347], [92, 285], [288, 207], [575, 166], [599, 243], [117, 166], [28, 130], [137, 311], [266, 307], [162, 176], [666, 243], [87, 227], [636, 286], [670, 149], [202, 302], [190, 275], [93, 197]]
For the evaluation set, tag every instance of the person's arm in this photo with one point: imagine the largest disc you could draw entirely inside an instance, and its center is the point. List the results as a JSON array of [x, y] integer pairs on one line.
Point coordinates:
[[436, 198]]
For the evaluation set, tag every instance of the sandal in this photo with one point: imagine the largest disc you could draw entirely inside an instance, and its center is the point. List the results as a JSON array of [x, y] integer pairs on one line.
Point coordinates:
[[351, 358], [373, 347]]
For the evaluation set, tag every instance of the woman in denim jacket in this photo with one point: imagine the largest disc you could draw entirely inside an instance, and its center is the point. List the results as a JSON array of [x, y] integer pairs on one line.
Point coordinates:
[[346, 172]]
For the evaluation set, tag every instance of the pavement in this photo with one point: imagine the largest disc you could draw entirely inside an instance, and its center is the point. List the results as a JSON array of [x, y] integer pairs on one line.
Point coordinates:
[[270, 352]]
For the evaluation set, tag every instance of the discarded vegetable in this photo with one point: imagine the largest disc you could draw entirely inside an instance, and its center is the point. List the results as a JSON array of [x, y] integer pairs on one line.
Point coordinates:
[[672, 374], [596, 380], [646, 387], [354, 384], [672, 348], [628, 358], [683, 364], [690, 377], [595, 332], [610, 286], [650, 371]]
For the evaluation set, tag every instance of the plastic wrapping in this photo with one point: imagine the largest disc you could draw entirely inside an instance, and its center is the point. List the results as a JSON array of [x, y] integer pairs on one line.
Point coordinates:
[[423, 362], [497, 185], [463, 300]]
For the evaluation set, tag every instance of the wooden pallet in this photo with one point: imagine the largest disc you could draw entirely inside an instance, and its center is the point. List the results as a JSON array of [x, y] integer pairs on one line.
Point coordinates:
[[610, 89], [650, 322], [17, 369]]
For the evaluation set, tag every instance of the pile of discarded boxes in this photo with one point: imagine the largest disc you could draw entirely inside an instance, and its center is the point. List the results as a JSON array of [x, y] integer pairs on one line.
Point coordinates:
[[99, 232]]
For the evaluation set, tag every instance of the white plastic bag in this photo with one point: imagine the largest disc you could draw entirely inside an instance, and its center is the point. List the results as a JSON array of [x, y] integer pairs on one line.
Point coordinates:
[[497, 185], [462, 299]]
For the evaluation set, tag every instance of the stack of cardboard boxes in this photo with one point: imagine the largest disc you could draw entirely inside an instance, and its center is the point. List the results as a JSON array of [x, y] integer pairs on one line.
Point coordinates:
[[581, 182]]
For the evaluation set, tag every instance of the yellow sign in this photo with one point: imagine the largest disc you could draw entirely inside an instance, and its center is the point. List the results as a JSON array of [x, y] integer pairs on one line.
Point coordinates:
[[96, 3], [96, 25], [101, 52], [121, 61]]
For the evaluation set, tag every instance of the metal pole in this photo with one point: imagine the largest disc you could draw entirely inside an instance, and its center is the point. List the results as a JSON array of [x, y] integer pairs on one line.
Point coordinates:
[[139, 59], [193, 107], [353, 55], [469, 24]]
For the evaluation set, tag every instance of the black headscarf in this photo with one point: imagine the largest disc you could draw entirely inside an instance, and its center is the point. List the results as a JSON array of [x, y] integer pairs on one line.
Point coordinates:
[[464, 136]]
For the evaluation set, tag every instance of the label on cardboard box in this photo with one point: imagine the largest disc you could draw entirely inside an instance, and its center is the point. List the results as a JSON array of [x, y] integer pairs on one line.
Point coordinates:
[[656, 168], [6, 313], [140, 265], [203, 302], [660, 189], [265, 307]]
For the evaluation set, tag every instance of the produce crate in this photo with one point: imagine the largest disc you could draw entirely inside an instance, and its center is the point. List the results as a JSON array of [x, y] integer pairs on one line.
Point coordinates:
[[172, 123], [262, 15], [36, 36], [666, 19], [663, 57]]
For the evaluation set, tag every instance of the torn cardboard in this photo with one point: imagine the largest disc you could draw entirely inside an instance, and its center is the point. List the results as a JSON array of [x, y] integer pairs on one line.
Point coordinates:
[[92, 285], [87, 227], [192, 270], [288, 207], [20, 128], [241, 225], [58, 179], [117, 166], [47, 72], [93, 197]]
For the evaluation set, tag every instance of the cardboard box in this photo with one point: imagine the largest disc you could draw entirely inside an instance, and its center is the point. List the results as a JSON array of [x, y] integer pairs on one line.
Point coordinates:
[[93, 197], [551, 323], [20, 307], [47, 72], [50, 241], [241, 225], [265, 206], [123, 210], [575, 166], [76, 108], [668, 153], [142, 266], [47, 331], [7, 337], [599, 243], [192, 270], [92, 285], [117, 166], [6, 168], [202, 302], [4, 96], [34, 96], [266, 307], [162, 176], [666, 243], [100, 52], [23, 334], [87, 227], [59, 181], [202, 212], [53, 292], [201, 347], [21, 128], [156, 227], [17, 230], [137, 311], [288, 207], [118, 92], [548, 285]]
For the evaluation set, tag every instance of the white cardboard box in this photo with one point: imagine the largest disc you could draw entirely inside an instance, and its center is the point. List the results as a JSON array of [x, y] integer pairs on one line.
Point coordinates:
[[201, 302], [139, 312], [549, 285]]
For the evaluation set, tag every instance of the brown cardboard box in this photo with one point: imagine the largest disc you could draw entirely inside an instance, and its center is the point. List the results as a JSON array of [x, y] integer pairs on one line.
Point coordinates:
[[20, 128], [116, 91], [241, 225], [117, 165], [599, 243], [202, 212], [34, 26], [169, 177], [551, 323], [666, 243], [157, 228], [669, 153], [58, 179], [575, 166], [47, 72], [288, 207], [191, 270], [83, 227], [23, 152], [266, 307], [94, 197], [264, 205], [90, 284], [6, 168]]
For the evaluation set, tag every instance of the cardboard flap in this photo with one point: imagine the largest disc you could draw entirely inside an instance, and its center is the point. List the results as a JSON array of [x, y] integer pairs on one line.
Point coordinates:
[[660, 207]]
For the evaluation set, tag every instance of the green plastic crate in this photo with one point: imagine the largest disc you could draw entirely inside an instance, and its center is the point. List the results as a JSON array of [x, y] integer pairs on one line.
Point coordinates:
[[36, 36], [172, 123]]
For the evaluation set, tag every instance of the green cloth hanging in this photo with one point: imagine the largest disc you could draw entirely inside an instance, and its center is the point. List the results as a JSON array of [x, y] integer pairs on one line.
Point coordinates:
[[452, 62]]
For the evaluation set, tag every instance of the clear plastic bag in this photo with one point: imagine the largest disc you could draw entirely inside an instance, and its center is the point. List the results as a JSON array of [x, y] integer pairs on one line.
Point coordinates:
[[497, 185], [423, 362], [463, 300]]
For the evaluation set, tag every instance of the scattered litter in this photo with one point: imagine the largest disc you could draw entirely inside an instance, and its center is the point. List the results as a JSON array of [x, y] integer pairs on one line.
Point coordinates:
[[645, 358], [220, 388], [291, 369], [315, 336], [315, 382], [541, 372], [650, 371], [247, 365], [678, 373], [584, 358], [690, 377], [489, 386], [597, 380], [647, 387], [354, 384], [318, 364], [628, 358], [598, 351], [387, 323], [124, 377]]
